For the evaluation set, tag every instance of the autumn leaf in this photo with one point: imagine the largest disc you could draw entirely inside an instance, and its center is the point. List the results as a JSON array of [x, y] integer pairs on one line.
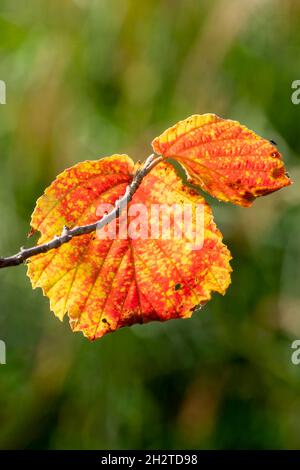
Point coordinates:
[[106, 280], [224, 158], [105, 284]]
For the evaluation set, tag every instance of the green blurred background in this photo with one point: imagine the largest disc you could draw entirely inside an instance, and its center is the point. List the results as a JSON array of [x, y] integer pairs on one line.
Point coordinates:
[[88, 78]]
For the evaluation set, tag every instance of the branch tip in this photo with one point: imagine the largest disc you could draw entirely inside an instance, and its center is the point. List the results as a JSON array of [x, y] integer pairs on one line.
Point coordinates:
[[67, 234]]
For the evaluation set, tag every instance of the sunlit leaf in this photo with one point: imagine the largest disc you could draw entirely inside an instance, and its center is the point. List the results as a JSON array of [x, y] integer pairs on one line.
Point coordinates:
[[105, 284], [224, 158]]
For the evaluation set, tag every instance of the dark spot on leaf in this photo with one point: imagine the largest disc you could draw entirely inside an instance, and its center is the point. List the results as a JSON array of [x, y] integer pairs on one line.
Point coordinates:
[[248, 196], [233, 185], [277, 172], [260, 192], [195, 307], [177, 286]]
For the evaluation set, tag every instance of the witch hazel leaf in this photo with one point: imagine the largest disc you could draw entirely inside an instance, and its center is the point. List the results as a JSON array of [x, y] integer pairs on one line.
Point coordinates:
[[104, 280], [224, 158], [107, 283]]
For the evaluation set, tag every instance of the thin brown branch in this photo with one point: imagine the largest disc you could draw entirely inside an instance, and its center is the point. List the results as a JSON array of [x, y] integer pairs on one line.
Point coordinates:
[[67, 234]]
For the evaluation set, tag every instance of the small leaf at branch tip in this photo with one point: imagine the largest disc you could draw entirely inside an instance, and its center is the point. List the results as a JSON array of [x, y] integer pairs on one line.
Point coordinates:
[[224, 158]]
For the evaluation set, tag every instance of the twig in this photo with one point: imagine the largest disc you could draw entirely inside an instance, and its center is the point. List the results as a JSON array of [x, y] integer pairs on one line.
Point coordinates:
[[67, 234]]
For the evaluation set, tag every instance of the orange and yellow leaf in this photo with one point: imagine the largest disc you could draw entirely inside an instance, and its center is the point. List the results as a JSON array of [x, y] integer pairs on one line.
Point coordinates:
[[224, 158], [105, 284]]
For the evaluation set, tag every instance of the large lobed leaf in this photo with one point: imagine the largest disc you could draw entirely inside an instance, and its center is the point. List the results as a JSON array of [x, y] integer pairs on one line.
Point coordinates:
[[107, 284]]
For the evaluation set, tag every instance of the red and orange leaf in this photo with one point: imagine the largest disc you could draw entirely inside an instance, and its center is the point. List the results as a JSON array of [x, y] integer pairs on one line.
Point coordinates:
[[105, 284], [226, 159]]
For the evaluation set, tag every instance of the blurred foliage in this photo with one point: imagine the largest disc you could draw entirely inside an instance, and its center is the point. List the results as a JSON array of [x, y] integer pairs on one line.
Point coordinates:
[[87, 78]]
